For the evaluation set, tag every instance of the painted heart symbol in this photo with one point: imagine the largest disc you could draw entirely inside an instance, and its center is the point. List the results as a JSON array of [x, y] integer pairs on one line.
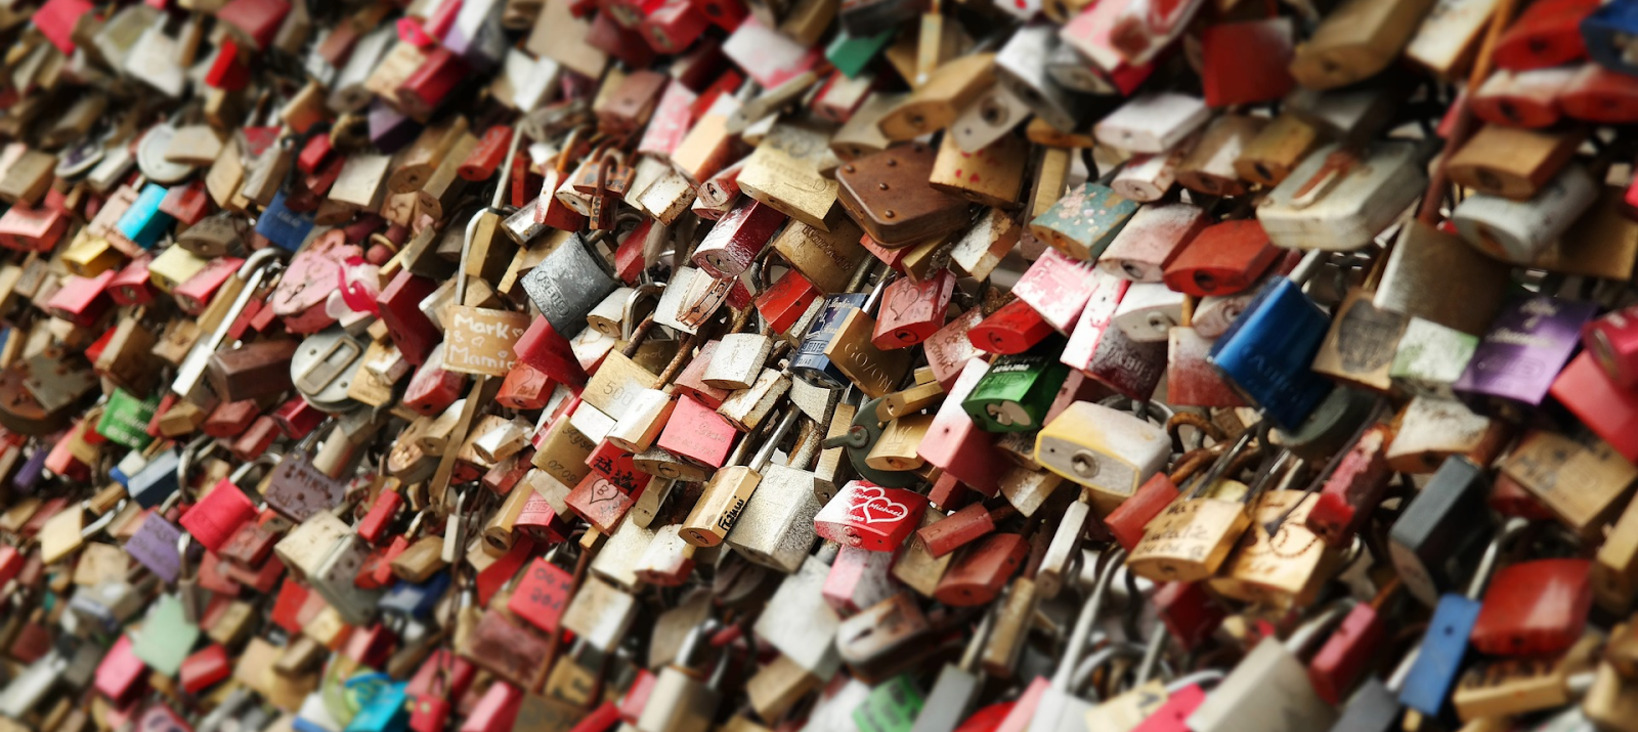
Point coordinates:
[[871, 505]]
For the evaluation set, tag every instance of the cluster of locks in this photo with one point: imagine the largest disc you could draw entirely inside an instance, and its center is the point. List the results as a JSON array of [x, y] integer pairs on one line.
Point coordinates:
[[880, 365]]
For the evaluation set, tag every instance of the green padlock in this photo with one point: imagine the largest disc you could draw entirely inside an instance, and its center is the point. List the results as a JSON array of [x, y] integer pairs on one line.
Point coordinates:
[[891, 707], [125, 419], [1016, 393], [166, 637], [851, 54]]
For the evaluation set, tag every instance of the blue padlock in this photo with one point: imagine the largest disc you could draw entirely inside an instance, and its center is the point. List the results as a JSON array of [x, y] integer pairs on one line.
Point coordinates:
[[810, 363], [143, 223], [1611, 35], [1440, 658], [285, 228], [156, 481], [382, 708], [415, 600], [1267, 351]]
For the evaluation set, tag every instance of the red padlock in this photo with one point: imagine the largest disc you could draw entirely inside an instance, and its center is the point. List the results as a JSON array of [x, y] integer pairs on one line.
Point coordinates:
[[956, 445], [911, 311], [1353, 489], [1600, 96], [82, 300], [1535, 608], [736, 239], [540, 597], [868, 516], [1247, 62], [978, 574], [1223, 259], [544, 348], [1547, 33], [1189, 612], [691, 382], [1014, 328], [195, 294], [1607, 409], [219, 515], [410, 328], [697, 433], [130, 286], [1128, 519], [204, 668], [961, 528], [1346, 654], [432, 388], [257, 20]]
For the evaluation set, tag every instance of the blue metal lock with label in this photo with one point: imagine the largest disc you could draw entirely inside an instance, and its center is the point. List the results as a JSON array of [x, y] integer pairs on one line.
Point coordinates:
[[1611, 35], [415, 600], [1267, 352], [143, 223], [810, 363], [156, 481], [282, 226], [381, 704]]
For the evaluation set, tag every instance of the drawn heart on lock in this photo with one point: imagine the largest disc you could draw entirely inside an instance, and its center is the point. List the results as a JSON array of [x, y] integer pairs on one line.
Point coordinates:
[[871, 505]]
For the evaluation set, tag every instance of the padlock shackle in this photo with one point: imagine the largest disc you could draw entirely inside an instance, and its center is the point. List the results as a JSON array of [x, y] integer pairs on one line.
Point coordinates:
[[764, 454], [1310, 631], [1492, 554], [1117, 649], [1084, 622], [1308, 267], [1221, 465]]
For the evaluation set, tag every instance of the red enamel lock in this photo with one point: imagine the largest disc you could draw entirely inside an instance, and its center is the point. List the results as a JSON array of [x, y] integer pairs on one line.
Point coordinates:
[[56, 20], [670, 121], [1353, 489], [725, 14], [256, 440], [1174, 714], [443, 673], [11, 563], [314, 154], [691, 382], [430, 712], [1058, 288], [958, 446], [912, 311], [29, 229], [552, 211], [636, 697], [204, 668], [400, 305], [870, 517], [978, 574], [1344, 657], [617, 465], [1247, 62], [1014, 328], [1612, 339], [786, 300], [82, 300], [432, 389], [950, 348], [1535, 608], [1223, 259], [620, 42], [1524, 99], [697, 433], [481, 163], [1601, 96], [296, 417], [893, 258], [735, 240], [1128, 519], [1547, 33], [540, 522], [228, 71], [214, 576], [187, 204], [1190, 613], [961, 528], [193, 295], [673, 26], [599, 501], [257, 20], [219, 515], [381, 513], [120, 674], [629, 261], [525, 387], [542, 594], [230, 418], [544, 348], [496, 710], [130, 286], [431, 82], [1608, 410]]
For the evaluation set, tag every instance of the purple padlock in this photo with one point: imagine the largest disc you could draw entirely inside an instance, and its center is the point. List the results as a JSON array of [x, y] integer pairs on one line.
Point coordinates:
[[1527, 345], [154, 546], [28, 477]]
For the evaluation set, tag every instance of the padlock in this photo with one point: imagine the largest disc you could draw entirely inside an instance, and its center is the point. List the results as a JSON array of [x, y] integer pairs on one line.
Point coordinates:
[[1444, 648], [1280, 311], [1528, 331], [1083, 222], [1153, 123], [1355, 41], [1350, 196], [870, 517], [1517, 231], [1271, 683], [1014, 394], [1438, 534], [887, 193], [1058, 709], [1191, 538], [1544, 35], [1522, 98]]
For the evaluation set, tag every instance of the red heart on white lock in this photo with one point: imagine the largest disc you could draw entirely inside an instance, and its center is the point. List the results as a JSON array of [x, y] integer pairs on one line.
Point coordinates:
[[871, 505]]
